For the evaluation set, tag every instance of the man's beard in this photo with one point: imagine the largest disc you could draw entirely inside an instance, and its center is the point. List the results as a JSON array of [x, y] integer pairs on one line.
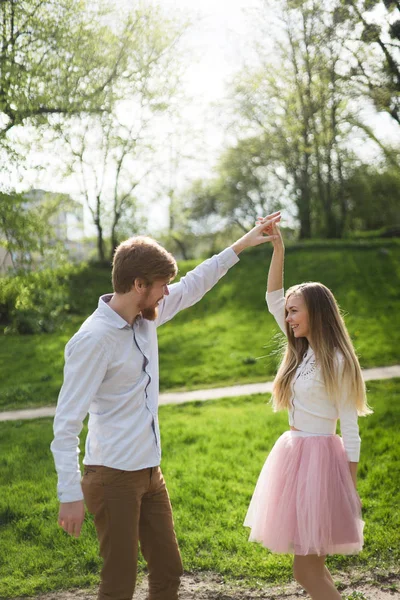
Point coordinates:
[[150, 313]]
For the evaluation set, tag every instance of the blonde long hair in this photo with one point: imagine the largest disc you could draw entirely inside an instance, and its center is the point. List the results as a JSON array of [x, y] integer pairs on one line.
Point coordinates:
[[329, 338]]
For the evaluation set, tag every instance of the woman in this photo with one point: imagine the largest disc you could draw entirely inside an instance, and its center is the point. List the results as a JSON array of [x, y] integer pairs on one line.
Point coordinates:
[[305, 501]]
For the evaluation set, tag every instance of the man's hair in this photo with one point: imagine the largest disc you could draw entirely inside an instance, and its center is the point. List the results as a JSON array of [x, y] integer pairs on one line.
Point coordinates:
[[141, 257]]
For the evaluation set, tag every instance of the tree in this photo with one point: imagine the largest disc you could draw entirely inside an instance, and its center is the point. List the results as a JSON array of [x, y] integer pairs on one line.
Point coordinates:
[[112, 153], [245, 186], [57, 57], [376, 72], [101, 157], [298, 105], [374, 198], [25, 226]]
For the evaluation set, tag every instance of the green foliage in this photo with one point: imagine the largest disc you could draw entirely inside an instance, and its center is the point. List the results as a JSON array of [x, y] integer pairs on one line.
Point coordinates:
[[395, 30], [298, 116], [58, 57], [374, 198], [371, 33], [112, 153], [25, 227], [212, 455], [384, 232], [299, 108], [245, 185], [187, 245], [356, 596], [228, 337], [377, 74], [37, 301], [212, 341]]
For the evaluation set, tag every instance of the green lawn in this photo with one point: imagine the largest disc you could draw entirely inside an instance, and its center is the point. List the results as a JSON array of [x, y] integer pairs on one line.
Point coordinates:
[[228, 337], [212, 455]]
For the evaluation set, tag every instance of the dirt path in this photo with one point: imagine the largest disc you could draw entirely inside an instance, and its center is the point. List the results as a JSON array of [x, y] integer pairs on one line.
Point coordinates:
[[200, 395], [378, 585]]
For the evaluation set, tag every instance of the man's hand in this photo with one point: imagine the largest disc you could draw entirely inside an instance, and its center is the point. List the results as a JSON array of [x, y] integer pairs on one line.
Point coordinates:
[[272, 229], [71, 516], [257, 235]]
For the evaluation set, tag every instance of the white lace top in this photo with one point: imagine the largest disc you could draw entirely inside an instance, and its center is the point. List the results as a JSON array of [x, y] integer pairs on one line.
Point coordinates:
[[311, 408]]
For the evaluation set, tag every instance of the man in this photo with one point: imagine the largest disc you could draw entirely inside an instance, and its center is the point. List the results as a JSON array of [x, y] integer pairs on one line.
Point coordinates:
[[111, 372]]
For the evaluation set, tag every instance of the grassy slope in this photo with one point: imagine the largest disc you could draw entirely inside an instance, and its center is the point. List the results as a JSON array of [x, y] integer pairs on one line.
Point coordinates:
[[212, 455], [228, 337]]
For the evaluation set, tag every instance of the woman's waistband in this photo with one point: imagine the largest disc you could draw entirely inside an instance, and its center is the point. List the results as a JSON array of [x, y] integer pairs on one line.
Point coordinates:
[[297, 433], [311, 423]]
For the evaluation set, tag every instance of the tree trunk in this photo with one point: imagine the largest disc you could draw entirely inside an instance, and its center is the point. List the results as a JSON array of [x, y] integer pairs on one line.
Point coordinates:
[[342, 200], [114, 239], [304, 198], [181, 246], [100, 242], [304, 215]]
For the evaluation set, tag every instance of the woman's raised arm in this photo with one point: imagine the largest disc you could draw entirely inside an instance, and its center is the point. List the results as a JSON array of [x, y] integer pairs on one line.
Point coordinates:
[[275, 273], [275, 296]]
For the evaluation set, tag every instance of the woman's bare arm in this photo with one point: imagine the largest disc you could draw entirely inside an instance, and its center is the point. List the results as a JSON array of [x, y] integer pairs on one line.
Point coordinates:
[[275, 274]]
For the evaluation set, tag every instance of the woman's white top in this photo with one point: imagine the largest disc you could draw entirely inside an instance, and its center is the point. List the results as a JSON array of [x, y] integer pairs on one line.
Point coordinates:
[[311, 408]]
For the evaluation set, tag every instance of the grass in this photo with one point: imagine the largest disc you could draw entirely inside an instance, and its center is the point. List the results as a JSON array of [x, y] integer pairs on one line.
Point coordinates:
[[212, 455], [229, 337]]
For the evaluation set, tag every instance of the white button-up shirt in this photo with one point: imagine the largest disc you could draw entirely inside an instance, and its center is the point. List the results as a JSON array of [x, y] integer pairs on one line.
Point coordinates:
[[111, 372], [312, 409]]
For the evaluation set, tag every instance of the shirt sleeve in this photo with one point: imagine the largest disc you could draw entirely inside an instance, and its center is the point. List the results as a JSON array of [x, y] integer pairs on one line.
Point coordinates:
[[276, 306], [85, 368], [348, 417], [195, 284]]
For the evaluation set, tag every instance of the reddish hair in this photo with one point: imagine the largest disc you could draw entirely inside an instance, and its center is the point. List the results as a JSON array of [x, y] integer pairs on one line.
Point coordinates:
[[144, 258]]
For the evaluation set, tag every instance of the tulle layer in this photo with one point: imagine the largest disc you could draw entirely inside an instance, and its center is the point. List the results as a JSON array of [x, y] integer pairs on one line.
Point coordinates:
[[305, 501]]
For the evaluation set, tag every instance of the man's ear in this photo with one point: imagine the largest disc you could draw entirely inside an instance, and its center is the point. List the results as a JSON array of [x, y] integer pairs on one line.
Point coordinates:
[[140, 285]]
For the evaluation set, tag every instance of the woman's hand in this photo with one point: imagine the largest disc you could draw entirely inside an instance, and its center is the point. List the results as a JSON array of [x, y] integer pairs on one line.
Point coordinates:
[[259, 234], [272, 229]]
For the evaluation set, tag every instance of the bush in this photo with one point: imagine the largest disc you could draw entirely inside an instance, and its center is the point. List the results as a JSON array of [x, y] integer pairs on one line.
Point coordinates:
[[37, 301], [385, 232]]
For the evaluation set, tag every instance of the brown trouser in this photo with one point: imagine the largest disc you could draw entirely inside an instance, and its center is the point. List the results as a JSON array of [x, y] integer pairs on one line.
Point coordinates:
[[131, 507]]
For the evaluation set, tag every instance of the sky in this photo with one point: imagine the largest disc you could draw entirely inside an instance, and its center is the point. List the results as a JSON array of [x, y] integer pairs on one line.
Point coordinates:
[[218, 42], [219, 36]]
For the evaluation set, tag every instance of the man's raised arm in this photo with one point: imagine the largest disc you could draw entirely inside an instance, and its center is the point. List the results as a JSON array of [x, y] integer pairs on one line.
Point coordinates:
[[195, 284]]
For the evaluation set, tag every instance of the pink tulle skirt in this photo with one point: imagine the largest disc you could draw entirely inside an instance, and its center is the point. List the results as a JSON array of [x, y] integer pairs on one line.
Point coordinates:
[[305, 501]]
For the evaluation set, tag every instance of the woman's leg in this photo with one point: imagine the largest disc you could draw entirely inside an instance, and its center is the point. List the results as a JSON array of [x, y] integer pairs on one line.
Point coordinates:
[[312, 574], [328, 575]]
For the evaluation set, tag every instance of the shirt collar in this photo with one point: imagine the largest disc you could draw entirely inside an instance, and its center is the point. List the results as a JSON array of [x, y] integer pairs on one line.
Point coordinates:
[[108, 313]]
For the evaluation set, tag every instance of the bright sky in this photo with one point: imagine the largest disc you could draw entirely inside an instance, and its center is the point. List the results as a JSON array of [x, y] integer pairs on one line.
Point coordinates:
[[220, 35]]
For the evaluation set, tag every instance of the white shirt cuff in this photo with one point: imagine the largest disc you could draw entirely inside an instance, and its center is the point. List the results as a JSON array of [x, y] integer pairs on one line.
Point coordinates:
[[72, 493]]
